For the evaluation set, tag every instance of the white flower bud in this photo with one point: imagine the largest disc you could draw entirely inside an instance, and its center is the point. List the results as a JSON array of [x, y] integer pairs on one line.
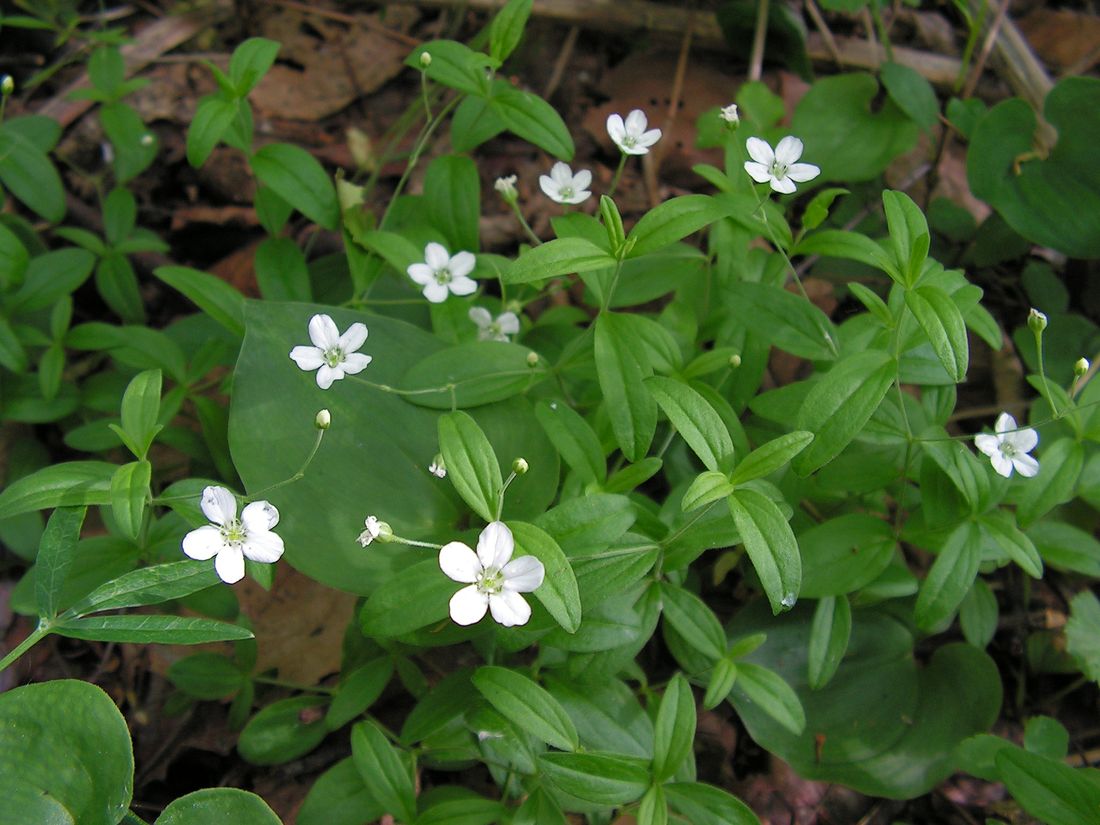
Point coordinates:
[[1081, 367], [1036, 320], [376, 531], [7, 85], [735, 360], [437, 468], [532, 359], [147, 139], [323, 420], [506, 188], [730, 116], [520, 466], [425, 59]]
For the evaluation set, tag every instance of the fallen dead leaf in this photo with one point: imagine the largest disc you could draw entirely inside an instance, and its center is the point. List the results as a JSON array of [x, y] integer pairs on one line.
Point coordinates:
[[1063, 37]]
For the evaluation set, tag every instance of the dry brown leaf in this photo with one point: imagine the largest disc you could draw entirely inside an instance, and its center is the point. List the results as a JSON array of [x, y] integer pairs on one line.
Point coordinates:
[[1063, 37]]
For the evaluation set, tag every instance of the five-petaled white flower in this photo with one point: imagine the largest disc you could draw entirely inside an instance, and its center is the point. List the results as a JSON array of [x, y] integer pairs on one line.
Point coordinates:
[[779, 168], [730, 115], [488, 329], [1009, 447], [333, 355], [562, 186], [232, 540], [631, 137], [495, 580], [443, 273], [375, 530]]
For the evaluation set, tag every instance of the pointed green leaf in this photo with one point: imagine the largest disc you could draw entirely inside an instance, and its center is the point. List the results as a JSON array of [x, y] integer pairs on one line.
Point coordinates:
[[770, 544]]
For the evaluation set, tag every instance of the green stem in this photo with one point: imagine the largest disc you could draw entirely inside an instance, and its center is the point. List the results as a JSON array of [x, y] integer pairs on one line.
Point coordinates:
[[413, 543], [880, 27], [523, 222], [298, 475], [283, 683], [500, 495], [1043, 375], [34, 638], [618, 174]]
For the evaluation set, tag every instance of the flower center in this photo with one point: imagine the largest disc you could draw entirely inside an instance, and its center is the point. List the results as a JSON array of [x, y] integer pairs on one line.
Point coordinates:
[[566, 192], [1008, 449], [334, 356], [779, 170], [234, 533], [629, 140], [443, 276], [490, 581]]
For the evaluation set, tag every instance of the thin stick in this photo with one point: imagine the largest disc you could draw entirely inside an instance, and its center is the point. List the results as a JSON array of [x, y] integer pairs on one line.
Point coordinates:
[[351, 20], [824, 30], [564, 57], [759, 35], [987, 47]]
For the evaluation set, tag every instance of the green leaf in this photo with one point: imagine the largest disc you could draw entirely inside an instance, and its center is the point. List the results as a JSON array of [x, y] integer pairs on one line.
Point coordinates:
[[12, 354], [631, 408], [281, 270], [212, 295], [49, 276], [149, 585], [507, 28], [339, 797], [1059, 468], [557, 257], [707, 805], [693, 620], [844, 554], [767, 458], [284, 730], [1000, 526], [296, 176], [13, 259], [452, 195], [385, 614], [817, 210], [558, 592], [216, 806], [55, 556], [674, 730], [473, 123], [382, 770], [140, 408], [208, 676], [696, 420], [852, 246], [454, 65], [1048, 788], [601, 778], [942, 322], [528, 116], [65, 755], [722, 677], [358, 691], [471, 463], [874, 304], [250, 63], [1083, 633], [653, 809], [1048, 196], [125, 129], [213, 117], [395, 249], [843, 136], [469, 375], [527, 705], [28, 173], [829, 635], [774, 696], [129, 490], [911, 92], [770, 544], [674, 220], [949, 578], [784, 319], [573, 438], [117, 284], [60, 485], [708, 486], [840, 405], [978, 614], [119, 215], [148, 629]]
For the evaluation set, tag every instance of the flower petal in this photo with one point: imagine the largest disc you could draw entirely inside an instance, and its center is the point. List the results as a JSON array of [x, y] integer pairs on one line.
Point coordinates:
[[803, 172], [788, 150], [760, 151], [326, 375], [461, 285], [421, 273], [435, 292], [203, 543], [462, 263], [561, 173], [1004, 423], [263, 546], [649, 138], [988, 444], [509, 608], [218, 504], [616, 129], [1027, 466], [1002, 464], [354, 338], [783, 185], [758, 171], [495, 545], [229, 564], [523, 574], [259, 516], [323, 332], [436, 256], [583, 179], [636, 122], [356, 363], [459, 563], [508, 323], [468, 605], [481, 316], [1023, 440], [549, 188], [307, 358]]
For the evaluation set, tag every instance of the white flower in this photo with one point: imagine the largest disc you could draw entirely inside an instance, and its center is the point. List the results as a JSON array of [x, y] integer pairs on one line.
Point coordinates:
[[1009, 448], [729, 114], [441, 273], [631, 137], [506, 187], [233, 540], [562, 186], [333, 355], [507, 323], [437, 468], [375, 530], [779, 167], [495, 580]]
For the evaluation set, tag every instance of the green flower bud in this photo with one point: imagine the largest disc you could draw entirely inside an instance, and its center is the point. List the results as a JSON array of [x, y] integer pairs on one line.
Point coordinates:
[[735, 360], [1081, 367], [425, 59], [532, 359], [1036, 320], [7, 85], [520, 466]]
